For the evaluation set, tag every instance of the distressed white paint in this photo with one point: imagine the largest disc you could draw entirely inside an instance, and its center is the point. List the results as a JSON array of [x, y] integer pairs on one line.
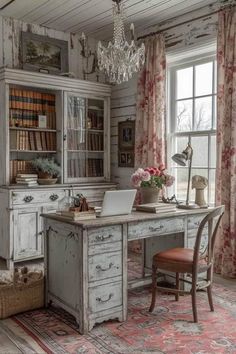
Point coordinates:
[[100, 282], [94, 17]]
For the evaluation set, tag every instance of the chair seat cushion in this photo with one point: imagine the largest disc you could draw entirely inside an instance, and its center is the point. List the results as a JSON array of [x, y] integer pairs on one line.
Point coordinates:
[[175, 255]]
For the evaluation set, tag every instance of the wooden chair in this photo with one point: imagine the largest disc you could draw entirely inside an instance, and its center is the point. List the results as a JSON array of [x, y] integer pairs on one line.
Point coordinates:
[[192, 262]]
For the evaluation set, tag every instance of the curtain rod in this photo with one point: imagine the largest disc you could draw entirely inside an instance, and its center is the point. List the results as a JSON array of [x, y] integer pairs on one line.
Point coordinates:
[[183, 23]]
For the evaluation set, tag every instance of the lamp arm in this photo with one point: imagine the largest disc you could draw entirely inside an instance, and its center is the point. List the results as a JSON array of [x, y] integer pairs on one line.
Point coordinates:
[[189, 176]]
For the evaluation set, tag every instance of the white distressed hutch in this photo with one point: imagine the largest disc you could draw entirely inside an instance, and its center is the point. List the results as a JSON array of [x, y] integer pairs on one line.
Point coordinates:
[[82, 148]]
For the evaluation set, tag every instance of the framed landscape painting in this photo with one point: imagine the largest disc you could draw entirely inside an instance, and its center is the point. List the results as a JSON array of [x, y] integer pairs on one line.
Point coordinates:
[[44, 54]]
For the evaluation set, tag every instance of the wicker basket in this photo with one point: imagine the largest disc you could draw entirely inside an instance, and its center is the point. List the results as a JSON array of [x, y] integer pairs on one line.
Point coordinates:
[[21, 296]]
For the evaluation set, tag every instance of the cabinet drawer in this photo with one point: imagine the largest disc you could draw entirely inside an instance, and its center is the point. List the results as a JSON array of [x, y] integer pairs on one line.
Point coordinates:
[[194, 221], [31, 197], [155, 227], [193, 232], [104, 234], [103, 266], [105, 297]]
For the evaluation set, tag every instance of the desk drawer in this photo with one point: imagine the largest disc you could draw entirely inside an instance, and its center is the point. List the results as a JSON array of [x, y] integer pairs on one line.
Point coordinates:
[[155, 227], [103, 266], [105, 297], [37, 196], [194, 221], [101, 235]]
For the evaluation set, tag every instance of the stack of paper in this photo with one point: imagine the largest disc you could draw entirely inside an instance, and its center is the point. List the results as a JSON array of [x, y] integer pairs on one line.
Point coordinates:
[[156, 207]]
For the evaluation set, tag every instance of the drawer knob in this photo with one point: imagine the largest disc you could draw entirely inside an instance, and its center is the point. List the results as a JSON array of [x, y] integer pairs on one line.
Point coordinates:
[[98, 267], [28, 198], [99, 299], [158, 228], [197, 223], [54, 197], [103, 238]]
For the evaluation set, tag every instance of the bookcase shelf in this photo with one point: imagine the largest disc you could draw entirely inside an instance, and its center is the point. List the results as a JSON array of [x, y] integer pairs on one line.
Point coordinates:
[[34, 129], [35, 151]]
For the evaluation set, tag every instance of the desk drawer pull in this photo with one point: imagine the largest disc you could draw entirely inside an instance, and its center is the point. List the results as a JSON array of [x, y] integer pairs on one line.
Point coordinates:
[[98, 267], [53, 197], [28, 198], [99, 299], [103, 238], [197, 223], [158, 228]]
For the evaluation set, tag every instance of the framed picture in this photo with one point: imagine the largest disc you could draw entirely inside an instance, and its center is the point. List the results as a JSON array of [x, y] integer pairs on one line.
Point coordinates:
[[44, 54], [126, 159], [126, 135]]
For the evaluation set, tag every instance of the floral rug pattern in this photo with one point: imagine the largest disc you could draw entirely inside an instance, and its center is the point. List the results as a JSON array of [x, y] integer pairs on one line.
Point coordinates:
[[169, 329]]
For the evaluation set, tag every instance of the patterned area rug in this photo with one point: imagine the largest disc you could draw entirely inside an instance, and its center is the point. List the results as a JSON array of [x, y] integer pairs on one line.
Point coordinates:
[[169, 329]]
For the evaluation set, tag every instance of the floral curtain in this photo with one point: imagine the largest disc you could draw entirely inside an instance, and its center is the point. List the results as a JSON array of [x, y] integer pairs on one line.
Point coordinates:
[[150, 117], [225, 256]]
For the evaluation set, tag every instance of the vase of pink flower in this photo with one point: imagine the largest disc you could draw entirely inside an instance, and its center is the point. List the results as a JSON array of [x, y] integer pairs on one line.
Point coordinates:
[[150, 181]]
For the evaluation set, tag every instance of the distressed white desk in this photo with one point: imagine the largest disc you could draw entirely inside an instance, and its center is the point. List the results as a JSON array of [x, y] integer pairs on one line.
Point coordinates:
[[86, 261]]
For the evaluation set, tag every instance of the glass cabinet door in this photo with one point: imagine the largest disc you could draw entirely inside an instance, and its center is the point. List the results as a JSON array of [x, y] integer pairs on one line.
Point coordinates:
[[84, 139]]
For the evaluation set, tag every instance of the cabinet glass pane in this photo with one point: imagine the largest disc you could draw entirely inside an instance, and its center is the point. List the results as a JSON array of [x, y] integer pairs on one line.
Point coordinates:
[[85, 137], [76, 165]]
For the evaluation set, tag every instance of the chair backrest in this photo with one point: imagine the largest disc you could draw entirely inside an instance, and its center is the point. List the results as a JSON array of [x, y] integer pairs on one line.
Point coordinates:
[[213, 220]]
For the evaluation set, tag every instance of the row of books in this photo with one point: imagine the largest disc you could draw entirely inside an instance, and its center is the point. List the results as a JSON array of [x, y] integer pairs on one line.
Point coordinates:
[[29, 119], [20, 167], [32, 100], [77, 168], [95, 168], [95, 120], [95, 141], [27, 179], [32, 140]]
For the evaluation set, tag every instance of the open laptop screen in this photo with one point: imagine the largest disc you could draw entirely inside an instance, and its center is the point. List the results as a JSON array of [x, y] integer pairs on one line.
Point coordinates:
[[118, 202]]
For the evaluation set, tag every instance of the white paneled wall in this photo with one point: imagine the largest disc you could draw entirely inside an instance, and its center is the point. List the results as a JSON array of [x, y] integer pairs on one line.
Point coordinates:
[[123, 107], [11, 47]]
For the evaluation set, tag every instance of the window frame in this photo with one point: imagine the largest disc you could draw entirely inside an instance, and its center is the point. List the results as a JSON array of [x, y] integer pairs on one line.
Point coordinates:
[[172, 69]]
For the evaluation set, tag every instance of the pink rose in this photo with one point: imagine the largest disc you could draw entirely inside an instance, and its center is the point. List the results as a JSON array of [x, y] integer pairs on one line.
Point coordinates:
[[139, 171], [146, 176], [169, 180], [152, 171], [135, 180], [157, 172]]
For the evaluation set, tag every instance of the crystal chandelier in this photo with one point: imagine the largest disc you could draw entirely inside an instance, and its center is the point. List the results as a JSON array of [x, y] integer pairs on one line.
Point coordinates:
[[120, 59]]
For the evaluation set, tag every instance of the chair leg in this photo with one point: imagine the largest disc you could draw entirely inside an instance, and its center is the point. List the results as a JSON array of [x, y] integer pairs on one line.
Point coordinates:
[[177, 286], [194, 302], [154, 287], [209, 293]]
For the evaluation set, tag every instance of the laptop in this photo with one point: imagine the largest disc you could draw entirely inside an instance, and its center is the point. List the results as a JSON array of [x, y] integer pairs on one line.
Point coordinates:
[[117, 203]]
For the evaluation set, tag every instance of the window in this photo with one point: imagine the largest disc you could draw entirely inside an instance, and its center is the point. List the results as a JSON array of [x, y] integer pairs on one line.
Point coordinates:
[[192, 102]]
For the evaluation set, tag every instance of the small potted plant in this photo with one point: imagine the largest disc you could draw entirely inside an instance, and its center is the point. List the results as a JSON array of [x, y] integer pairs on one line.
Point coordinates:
[[48, 170]]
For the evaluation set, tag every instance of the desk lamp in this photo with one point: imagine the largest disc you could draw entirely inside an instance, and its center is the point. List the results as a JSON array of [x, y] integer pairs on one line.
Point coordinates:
[[182, 159]]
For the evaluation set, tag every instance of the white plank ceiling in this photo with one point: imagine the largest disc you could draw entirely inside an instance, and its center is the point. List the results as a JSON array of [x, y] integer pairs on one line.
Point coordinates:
[[94, 17]]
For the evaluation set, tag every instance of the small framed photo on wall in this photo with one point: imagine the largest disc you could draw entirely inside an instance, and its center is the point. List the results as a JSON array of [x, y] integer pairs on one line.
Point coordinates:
[[126, 141], [126, 135]]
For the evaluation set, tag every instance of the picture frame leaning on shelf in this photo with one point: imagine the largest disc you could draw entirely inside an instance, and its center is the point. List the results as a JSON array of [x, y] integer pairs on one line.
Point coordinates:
[[44, 54]]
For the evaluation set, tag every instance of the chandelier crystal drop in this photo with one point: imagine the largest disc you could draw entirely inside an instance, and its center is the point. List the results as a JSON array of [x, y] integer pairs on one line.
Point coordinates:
[[120, 59]]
